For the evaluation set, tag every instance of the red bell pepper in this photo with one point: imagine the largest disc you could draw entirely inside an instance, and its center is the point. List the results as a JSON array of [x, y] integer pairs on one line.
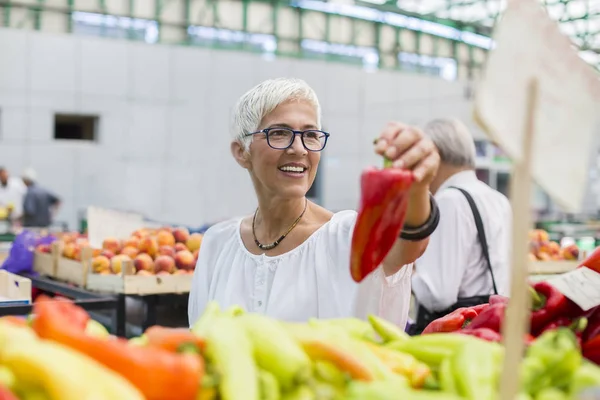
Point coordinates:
[[529, 339], [483, 333], [591, 350], [496, 298], [548, 303], [592, 261], [479, 309], [452, 322], [157, 373], [491, 318], [383, 204], [593, 329]]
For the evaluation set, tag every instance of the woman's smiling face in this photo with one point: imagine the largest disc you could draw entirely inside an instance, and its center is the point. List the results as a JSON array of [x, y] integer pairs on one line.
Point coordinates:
[[285, 173]]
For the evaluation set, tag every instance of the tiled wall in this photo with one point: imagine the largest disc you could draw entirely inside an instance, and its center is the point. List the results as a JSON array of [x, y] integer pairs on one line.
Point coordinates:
[[164, 115]]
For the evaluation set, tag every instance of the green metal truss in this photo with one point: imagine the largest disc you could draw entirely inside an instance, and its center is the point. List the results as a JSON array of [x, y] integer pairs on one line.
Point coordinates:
[[579, 19]]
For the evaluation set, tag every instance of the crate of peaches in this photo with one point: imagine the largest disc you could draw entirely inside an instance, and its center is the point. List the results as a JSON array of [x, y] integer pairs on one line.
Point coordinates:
[[149, 261], [548, 257]]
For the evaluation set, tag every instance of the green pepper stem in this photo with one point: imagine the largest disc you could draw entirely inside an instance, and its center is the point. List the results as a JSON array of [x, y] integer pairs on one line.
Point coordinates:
[[537, 300], [387, 163], [579, 325]]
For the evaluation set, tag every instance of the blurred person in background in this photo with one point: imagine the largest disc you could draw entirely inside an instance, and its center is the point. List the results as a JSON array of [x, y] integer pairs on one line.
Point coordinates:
[[40, 205], [12, 194], [291, 258], [468, 256]]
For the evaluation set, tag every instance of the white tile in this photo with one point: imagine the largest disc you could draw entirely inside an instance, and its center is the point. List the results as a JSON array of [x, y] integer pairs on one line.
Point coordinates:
[[14, 67], [187, 133], [13, 157], [143, 189], [270, 69], [345, 87], [183, 201], [149, 71], [190, 74], [147, 134], [13, 125], [344, 129], [232, 76], [55, 63], [41, 125], [14, 97], [316, 74], [62, 102], [380, 89], [104, 67]]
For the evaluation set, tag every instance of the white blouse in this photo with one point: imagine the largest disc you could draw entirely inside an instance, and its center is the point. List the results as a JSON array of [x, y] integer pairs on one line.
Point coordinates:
[[311, 281]]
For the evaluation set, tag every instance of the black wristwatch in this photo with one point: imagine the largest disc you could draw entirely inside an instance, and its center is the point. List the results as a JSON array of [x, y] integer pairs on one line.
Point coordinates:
[[418, 233]]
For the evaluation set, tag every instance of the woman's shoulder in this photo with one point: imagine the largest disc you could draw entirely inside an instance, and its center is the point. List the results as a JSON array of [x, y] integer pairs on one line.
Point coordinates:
[[222, 229], [343, 220]]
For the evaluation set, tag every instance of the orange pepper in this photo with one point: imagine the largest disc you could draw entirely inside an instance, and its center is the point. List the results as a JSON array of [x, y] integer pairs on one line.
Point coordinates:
[[157, 373], [172, 339]]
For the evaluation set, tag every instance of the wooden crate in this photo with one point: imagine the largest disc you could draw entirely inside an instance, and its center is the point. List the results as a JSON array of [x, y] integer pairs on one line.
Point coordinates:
[[14, 289], [129, 283], [73, 271], [551, 267], [45, 263]]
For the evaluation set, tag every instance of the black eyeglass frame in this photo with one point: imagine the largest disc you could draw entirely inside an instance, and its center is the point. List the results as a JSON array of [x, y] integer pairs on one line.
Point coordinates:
[[301, 133]]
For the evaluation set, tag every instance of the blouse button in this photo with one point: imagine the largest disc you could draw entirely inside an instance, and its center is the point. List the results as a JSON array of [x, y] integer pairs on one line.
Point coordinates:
[[260, 303]]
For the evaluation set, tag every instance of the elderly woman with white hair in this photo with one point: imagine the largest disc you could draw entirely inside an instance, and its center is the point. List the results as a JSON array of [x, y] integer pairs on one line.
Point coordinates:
[[467, 259], [290, 259]]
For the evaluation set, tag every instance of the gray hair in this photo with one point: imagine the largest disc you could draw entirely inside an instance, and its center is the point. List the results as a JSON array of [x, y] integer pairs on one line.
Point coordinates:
[[453, 141], [259, 101]]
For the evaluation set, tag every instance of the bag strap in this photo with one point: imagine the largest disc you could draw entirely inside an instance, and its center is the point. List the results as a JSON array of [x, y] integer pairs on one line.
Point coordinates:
[[480, 233]]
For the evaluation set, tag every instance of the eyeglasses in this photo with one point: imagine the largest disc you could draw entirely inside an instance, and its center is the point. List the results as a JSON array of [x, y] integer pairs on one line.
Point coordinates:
[[283, 138]]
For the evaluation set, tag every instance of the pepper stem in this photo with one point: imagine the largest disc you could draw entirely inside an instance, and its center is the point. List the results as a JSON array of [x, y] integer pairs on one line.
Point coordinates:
[[538, 301], [579, 325], [387, 163]]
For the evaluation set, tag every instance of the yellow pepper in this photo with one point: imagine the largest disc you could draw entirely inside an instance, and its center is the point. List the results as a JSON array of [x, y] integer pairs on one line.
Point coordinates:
[[403, 364], [44, 367]]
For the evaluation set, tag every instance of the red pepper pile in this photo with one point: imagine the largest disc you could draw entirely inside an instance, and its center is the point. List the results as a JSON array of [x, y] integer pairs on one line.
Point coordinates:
[[550, 310]]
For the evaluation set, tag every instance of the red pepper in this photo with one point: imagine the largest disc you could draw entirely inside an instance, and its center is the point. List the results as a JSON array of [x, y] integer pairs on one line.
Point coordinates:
[[483, 333], [496, 298], [479, 309], [6, 394], [491, 318], [383, 204], [593, 328], [452, 322], [592, 261], [157, 373], [548, 303], [529, 339], [591, 350]]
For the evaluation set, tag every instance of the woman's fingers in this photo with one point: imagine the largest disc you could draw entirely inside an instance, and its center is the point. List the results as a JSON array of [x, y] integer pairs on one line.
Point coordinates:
[[387, 136], [427, 168], [414, 154]]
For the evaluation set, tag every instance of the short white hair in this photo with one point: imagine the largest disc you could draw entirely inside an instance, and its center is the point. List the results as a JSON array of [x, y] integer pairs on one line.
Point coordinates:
[[453, 140], [259, 101]]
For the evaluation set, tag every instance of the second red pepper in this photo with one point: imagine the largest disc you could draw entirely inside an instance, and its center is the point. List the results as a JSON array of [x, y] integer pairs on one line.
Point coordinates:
[[452, 322], [383, 204]]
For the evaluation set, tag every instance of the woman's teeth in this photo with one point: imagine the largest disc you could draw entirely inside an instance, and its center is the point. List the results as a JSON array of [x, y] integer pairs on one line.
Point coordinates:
[[297, 170]]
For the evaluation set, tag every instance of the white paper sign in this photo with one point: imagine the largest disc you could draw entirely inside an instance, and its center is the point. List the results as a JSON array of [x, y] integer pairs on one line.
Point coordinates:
[[531, 46], [103, 223], [582, 286]]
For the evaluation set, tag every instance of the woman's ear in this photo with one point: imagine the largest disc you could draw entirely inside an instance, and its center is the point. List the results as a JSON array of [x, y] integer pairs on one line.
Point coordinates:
[[240, 154]]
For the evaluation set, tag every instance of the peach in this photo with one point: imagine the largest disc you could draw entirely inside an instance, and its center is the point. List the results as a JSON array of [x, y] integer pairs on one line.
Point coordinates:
[[181, 235], [116, 263], [105, 272], [185, 260], [194, 241], [100, 263], [180, 247], [131, 242], [112, 244], [143, 272], [149, 245], [196, 254], [143, 262], [96, 252], [107, 253], [167, 251], [570, 252], [70, 250], [180, 272], [164, 264], [43, 248], [140, 233], [163, 273], [132, 252], [165, 238]]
